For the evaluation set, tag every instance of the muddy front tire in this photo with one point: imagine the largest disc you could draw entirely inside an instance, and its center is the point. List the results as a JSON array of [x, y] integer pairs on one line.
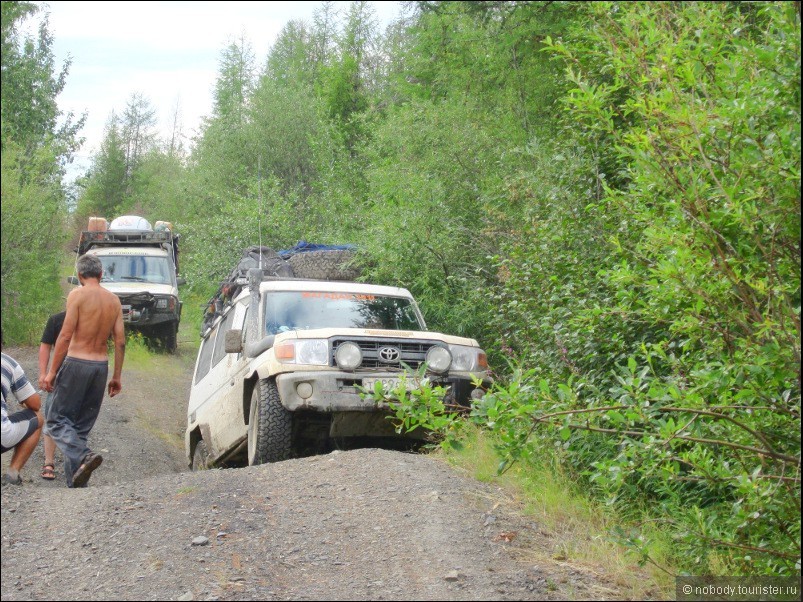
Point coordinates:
[[170, 336], [270, 426]]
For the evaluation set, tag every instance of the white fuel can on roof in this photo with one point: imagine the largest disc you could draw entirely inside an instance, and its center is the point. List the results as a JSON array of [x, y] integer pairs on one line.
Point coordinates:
[[130, 222]]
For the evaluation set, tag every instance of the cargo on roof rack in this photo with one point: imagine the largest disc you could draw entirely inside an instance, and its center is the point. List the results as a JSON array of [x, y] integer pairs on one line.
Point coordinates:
[[91, 238], [305, 261]]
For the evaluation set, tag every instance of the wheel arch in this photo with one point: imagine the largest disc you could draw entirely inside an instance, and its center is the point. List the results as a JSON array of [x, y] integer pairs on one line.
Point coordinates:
[[195, 436], [199, 433], [248, 393]]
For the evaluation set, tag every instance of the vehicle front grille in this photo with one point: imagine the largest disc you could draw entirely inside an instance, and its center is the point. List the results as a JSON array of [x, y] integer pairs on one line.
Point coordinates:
[[413, 353]]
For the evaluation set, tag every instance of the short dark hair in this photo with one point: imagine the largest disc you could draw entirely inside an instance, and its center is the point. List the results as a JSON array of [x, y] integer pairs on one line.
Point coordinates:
[[89, 266]]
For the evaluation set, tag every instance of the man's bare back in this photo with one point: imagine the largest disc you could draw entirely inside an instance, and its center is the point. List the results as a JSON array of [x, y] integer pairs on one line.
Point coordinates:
[[93, 315]]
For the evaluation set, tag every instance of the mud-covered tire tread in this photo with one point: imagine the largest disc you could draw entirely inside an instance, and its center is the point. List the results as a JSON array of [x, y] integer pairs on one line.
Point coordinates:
[[200, 456], [274, 428], [334, 264], [170, 336]]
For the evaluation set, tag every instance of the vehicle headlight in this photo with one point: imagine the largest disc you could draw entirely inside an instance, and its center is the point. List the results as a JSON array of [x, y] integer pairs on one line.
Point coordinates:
[[304, 351], [167, 302], [468, 359], [438, 359], [348, 356]]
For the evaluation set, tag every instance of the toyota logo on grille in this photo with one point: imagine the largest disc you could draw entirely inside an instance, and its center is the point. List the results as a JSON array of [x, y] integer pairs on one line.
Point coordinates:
[[389, 355]]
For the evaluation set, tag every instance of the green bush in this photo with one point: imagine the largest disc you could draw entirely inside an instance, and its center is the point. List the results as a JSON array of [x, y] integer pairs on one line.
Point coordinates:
[[658, 315], [701, 104], [33, 235]]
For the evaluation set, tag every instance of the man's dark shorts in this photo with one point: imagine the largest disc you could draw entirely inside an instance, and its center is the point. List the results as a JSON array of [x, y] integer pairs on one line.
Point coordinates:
[[21, 431]]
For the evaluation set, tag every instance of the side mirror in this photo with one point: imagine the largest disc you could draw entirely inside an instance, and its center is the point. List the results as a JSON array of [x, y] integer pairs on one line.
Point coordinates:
[[181, 281], [233, 343], [73, 280]]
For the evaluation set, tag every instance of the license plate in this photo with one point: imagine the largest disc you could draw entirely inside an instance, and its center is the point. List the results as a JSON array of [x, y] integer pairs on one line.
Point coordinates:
[[389, 383]]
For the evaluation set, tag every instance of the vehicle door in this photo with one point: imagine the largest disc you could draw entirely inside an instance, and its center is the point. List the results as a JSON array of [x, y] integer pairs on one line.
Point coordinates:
[[202, 386], [231, 392], [208, 399]]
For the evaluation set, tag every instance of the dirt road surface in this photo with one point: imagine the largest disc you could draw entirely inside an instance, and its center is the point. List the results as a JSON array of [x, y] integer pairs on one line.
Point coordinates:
[[357, 525]]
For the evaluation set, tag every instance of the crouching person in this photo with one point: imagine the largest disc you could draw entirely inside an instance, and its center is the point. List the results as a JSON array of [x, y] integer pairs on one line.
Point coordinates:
[[20, 430]]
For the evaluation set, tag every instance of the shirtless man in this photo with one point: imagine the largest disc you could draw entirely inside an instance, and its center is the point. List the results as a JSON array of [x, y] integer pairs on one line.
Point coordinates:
[[93, 316]]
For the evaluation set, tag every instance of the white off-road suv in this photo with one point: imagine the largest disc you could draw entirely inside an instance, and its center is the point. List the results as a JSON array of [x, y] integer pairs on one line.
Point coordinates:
[[140, 266], [283, 365]]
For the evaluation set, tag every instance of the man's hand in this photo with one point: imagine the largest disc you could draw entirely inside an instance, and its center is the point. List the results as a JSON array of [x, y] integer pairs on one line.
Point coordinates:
[[115, 386], [47, 383]]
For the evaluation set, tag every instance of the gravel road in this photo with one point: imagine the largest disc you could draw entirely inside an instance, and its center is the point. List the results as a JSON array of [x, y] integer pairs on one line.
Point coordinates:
[[357, 525]]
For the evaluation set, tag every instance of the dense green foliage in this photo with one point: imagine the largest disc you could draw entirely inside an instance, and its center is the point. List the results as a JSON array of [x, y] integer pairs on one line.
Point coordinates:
[[605, 195], [36, 141]]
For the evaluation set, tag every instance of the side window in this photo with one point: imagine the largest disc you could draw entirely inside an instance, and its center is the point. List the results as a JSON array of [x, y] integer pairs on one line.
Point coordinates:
[[220, 344], [205, 357]]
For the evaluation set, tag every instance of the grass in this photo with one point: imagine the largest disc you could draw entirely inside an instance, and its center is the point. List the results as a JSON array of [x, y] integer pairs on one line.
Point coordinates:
[[192, 314], [137, 354], [580, 528], [140, 356]]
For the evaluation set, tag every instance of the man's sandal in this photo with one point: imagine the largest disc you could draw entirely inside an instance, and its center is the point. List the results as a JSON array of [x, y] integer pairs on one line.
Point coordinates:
[[49, 472]]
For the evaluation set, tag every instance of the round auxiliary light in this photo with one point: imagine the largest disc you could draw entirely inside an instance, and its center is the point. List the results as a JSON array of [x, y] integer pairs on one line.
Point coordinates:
[[438, 359], [348, 356], [304, 390]]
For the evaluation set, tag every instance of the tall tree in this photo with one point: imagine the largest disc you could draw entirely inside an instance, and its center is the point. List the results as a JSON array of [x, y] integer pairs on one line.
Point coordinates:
[[175, 146], [137, 131], [235, 80], [291, 61], [30, 84], [324, 35], [105, 185]]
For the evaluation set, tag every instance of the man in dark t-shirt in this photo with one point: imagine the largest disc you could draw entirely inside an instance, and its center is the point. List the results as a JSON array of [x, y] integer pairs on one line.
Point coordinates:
[[49, 336]]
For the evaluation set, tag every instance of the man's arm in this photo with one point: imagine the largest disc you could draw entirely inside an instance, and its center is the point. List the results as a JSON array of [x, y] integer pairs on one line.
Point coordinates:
[[63, 342], [46, 343], [44, 360], [116, 383], [22, 388], [34, 402]]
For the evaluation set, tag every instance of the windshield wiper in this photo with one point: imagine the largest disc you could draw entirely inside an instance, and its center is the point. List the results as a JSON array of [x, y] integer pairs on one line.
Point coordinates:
[[136, 278]]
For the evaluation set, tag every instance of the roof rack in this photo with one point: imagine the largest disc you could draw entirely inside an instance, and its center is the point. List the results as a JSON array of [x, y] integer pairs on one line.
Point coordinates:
[[110, 238], [275, 265]]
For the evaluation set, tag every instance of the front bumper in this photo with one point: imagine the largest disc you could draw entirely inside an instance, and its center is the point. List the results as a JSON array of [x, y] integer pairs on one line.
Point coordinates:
[[335, 391], [140, 310]]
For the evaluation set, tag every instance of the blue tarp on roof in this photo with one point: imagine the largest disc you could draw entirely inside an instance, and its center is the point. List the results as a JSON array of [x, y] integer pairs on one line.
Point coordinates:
[[303, 246]]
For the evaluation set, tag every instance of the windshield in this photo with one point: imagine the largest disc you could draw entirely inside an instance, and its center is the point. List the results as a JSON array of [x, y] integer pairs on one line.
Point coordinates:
[[286, 311], [135, 268]]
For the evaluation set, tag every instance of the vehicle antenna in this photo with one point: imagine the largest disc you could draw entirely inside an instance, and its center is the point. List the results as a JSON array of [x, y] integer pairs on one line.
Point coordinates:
[[259, 208]]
